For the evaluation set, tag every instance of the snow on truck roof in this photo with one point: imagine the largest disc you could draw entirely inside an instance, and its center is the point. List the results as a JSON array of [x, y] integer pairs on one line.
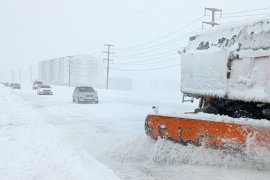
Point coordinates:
[[246, 34], [237, 24]]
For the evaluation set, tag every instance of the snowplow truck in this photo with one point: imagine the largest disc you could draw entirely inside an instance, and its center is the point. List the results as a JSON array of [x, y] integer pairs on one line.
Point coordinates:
[[227, 69]]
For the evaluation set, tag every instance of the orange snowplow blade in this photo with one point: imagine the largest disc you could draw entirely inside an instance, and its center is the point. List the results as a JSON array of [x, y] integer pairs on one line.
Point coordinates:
[[210, 133]]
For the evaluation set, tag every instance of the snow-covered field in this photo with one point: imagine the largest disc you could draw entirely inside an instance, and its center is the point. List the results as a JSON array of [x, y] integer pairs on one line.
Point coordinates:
[[49, 137]]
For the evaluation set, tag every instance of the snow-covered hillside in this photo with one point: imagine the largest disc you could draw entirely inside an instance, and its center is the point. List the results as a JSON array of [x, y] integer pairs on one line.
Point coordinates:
[[49, 137]]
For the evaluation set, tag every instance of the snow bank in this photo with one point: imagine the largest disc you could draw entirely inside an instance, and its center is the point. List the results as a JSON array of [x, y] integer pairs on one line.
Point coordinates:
[[32, 149], [46, 137], [229, 61], [189, 162]]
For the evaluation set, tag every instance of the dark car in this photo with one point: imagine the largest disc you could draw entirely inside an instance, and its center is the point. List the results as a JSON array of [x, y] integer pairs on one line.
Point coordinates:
[[36, 84], [15, 86], [85, 94]]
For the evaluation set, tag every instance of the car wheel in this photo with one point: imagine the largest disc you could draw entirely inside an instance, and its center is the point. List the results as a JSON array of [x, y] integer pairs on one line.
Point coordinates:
[[78, 101], [73, 100], [96, 102]]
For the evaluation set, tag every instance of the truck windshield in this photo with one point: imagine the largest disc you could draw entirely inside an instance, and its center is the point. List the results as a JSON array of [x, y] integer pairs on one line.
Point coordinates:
[[86, 89]]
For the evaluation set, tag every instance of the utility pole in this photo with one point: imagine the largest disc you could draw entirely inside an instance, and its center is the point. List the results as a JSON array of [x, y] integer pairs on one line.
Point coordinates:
[[31, 74], [69, 70], [12, 76], [213, 11], [20, 73], [108, 52]]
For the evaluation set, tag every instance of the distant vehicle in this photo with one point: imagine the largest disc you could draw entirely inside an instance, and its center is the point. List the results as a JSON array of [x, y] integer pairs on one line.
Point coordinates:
[[6, 84], [44, 90], [36, 84], [15, 86], [85, 94]]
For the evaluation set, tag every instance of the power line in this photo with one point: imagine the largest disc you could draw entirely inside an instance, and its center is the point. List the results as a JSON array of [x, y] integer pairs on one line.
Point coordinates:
[[148, 59], [168, 43], [252, 10], [246, 15], [170, 52], [137, 47], [151, 69], [96, 53], [162, 37], [164, 44], [140, 62], [146, 52]]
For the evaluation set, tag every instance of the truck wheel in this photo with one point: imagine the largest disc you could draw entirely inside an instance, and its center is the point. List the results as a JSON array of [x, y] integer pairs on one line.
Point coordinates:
[[242, 114], [210, 110]]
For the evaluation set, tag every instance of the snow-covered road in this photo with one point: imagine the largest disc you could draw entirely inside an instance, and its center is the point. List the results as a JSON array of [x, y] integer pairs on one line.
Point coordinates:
[[49, 137]]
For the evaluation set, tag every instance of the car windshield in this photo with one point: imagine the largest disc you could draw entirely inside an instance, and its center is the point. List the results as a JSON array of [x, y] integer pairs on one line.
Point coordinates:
[[45, 86], [38, 82], [86, 89]]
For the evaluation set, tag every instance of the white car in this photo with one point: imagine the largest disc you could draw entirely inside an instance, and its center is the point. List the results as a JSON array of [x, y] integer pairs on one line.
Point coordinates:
[[44, 90]]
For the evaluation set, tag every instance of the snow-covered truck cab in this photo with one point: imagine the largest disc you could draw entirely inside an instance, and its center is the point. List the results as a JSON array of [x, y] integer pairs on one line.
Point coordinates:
[[231, 64], [228, 68]]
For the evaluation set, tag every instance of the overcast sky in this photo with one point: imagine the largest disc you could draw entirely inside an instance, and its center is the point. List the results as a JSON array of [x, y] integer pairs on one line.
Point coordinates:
[[35, 30]]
